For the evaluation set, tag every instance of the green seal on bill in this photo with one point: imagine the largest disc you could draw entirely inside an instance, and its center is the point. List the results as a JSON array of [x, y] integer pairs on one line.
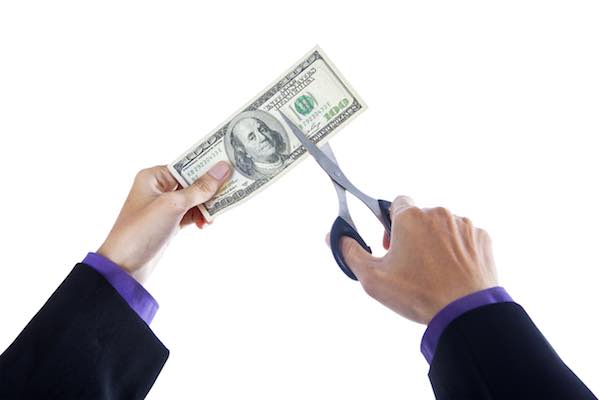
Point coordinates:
[[304, 104]]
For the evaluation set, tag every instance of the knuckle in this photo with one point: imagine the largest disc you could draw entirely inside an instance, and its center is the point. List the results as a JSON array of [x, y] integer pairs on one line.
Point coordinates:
[[146, 173], [441, 212], [206, 186], [484, 235], [142, 174], [407, 217], [465, 221], [409, 213]]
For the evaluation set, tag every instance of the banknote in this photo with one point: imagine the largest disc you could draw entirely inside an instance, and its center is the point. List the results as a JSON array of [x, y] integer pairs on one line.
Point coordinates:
[[258, 144]]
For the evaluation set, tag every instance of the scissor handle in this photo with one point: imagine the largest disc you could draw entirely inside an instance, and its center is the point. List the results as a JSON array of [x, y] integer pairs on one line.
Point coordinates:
[[384, 206], [340, 229]]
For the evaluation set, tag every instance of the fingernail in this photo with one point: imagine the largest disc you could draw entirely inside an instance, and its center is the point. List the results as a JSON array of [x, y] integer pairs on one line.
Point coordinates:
[[219, 170]]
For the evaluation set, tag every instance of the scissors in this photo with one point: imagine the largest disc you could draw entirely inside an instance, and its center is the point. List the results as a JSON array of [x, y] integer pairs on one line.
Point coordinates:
[[343, 224]]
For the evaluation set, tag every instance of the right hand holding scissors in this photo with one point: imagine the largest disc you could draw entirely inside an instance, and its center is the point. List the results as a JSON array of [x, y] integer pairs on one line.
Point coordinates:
[[433, 259]]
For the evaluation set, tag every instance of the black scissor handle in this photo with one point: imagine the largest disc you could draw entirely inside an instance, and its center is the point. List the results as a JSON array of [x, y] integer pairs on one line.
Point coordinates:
[[384, 206], [340, 229]]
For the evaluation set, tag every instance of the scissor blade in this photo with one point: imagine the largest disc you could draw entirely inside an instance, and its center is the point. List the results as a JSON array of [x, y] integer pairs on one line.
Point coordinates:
[[328, 165], [331, 168], [328, 151], [340, 191], [312, 148]]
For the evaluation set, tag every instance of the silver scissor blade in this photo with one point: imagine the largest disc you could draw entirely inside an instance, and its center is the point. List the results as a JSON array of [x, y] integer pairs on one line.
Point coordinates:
[[343, 212], [328, 151], [331, 168], [327, 164]]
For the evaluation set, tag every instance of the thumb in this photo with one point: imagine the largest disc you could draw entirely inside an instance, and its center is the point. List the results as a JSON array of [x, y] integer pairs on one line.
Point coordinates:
[[360, 261], [205, 187]]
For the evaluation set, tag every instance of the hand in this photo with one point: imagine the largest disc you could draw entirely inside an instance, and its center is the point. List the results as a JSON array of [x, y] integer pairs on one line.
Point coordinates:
[[153, 213], [433, 259]]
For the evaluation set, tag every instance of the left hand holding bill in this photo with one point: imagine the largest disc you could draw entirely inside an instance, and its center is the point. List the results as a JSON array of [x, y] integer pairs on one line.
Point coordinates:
[[154, 211]]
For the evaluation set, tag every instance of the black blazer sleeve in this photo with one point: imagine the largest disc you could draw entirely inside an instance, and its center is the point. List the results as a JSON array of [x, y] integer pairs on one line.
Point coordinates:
[[496, 352], [85, 343]]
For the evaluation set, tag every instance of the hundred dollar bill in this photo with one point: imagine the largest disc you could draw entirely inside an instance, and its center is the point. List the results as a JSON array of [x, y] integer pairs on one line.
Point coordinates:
[[259, 146]]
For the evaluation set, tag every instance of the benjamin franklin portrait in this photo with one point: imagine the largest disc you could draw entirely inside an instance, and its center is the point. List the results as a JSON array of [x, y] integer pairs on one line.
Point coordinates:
[[257, 144]]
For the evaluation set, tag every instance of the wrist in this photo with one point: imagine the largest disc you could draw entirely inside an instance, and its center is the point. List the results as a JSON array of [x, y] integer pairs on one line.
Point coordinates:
[[118, 259], [452, 296]]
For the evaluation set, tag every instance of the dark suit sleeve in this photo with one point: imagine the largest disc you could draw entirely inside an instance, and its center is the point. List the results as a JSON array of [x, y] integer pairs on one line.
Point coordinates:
[[85, 343], [496, 352]]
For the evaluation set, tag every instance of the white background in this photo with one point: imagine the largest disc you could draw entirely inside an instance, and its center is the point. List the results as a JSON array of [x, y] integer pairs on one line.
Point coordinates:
[[488, 108]]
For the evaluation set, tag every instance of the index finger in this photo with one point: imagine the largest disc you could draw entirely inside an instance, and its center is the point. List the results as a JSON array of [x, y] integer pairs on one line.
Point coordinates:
[[400, 204]]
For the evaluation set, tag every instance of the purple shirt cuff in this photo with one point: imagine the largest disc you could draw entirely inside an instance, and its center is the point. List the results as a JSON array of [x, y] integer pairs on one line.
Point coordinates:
[[454, 310], [131, 290]]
